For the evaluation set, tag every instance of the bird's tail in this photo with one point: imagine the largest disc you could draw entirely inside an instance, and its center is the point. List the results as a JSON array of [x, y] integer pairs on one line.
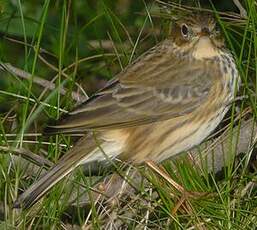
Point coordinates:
[[82, 152]]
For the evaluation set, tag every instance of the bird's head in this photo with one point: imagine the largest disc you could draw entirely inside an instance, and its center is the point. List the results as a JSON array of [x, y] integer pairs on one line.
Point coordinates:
[[198, 33]]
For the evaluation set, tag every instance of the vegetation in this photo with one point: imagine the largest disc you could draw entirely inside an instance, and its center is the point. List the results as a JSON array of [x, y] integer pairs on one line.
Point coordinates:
[[56, 53]]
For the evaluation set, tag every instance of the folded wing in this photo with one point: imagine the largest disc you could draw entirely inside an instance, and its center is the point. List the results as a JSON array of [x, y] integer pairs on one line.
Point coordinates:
[[159, 85]]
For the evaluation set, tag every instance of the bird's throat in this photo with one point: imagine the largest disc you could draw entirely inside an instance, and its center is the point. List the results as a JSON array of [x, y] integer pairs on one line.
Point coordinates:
[[204, 48]]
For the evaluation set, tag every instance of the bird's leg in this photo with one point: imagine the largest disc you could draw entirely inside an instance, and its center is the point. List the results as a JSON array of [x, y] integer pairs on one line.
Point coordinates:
[[160, 170], [183, 201]]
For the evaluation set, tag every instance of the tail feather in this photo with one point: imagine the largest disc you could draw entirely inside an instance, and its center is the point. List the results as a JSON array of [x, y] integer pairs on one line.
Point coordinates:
[[52, 130], [81, 153]]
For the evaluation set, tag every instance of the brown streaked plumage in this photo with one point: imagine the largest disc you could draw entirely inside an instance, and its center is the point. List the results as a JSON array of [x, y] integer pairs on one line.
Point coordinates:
[[169, 100]]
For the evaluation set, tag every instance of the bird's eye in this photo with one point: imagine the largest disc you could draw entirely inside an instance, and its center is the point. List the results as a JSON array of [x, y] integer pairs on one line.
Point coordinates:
[[184, 30]]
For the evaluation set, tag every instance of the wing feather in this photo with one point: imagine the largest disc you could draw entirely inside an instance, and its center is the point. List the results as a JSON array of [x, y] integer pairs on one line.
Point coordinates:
[[157, 86]]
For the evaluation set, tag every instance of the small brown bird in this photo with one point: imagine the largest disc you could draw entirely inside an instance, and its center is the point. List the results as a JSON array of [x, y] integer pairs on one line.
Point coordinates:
[[169, 100]]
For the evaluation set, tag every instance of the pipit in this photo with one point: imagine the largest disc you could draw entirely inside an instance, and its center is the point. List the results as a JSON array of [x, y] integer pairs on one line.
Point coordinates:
[[167, 101]]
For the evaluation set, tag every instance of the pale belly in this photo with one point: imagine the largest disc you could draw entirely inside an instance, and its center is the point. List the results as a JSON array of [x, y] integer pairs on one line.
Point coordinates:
[[157, 141], [187, 137], [166, 139]]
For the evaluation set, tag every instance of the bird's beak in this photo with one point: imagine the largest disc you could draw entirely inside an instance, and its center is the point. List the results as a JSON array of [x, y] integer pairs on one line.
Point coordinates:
[[204, 32]]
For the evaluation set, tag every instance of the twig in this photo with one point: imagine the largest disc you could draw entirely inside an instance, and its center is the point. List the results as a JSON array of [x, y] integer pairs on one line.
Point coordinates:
[[242, 10], [187, 8], [32, 100], [36, 159], [42, 82]]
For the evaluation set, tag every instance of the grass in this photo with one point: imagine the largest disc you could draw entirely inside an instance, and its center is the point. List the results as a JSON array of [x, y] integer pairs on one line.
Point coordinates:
[[79, 45]]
